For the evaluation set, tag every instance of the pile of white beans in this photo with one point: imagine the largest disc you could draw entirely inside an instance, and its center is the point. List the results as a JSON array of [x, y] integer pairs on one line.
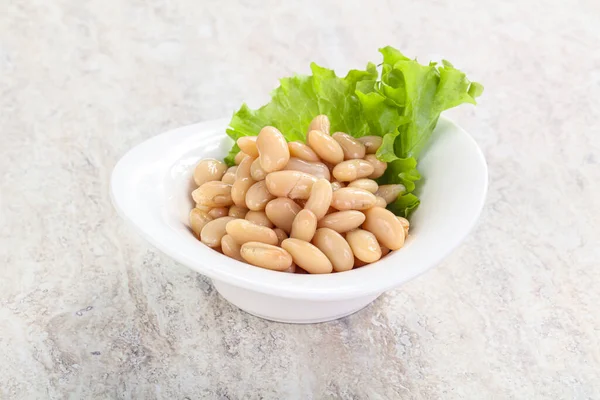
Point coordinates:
[[299, 207]]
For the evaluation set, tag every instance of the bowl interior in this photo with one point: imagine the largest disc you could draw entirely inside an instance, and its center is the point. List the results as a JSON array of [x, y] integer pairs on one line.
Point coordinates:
[[151, 188]]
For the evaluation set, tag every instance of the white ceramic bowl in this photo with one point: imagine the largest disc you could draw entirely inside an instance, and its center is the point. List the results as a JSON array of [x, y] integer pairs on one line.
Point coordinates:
[[151, 188]]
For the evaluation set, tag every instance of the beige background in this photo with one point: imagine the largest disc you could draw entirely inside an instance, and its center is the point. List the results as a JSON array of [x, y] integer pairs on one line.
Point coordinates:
[[89, 310]]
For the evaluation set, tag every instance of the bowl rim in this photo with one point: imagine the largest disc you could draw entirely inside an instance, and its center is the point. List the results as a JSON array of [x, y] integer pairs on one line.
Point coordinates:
[[376, 278]]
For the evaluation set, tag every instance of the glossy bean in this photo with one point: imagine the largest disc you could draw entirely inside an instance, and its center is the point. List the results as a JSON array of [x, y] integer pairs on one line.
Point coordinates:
[[229, 176], [390, 192], [247, 144], [367, 184], [405, 225], [316, 169], [385, 226], [243, 170], [259, 218], [243, 182], [326, 147], [335, 185], [273, 149], [266, 256], [292, 184], [213, 232], [256, 171], [231, 248], [320, 198], [281, 212], [380, 202], [351, 147], [281, 235], [213, 194], [239, 157], [351, 170], [304, 225], [364, 245], [239, 189], [243, 231], [218, 212], [209, 170], [206, 209], [258, 196], [237, 212], [302, 151], [371, 143], [379, 167], [320, 123], [307, 256], [198, 219], [335, 247], [342, 221], [350, 198]]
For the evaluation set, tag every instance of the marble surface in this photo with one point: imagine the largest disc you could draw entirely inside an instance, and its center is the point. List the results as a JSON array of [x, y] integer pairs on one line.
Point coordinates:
[[89, 310]]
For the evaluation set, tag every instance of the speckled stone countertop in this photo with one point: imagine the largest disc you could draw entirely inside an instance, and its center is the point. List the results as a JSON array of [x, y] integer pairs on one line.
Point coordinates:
[[89, 310]]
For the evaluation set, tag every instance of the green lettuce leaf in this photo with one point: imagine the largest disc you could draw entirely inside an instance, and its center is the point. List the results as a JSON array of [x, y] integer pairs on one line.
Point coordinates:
[[404, 205], [337, 99], [301, 98], [381, 117], [292, 107], [421, 92], [401, 171], [401, 102]]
